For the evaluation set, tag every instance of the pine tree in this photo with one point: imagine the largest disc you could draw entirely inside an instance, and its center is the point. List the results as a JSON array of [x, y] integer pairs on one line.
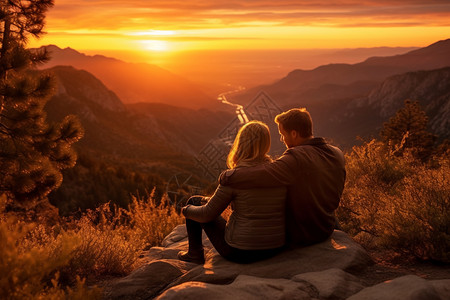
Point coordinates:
[[32, 151], [408, 130]]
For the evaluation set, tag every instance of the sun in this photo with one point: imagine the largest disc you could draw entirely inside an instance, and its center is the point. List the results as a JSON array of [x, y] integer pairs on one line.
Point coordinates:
[[155, 45]]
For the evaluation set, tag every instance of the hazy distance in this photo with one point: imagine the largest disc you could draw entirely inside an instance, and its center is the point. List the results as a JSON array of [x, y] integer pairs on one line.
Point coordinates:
[[219, 70]]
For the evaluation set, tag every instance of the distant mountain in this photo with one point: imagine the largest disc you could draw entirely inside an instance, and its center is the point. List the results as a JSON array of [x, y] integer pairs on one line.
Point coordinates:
[[160, 140], [83, 86], [189, 130], [108, 125], [430, 88], [360, 54], [126, 149], [344, 120], [144, 132], [333, 81], [134, 82]]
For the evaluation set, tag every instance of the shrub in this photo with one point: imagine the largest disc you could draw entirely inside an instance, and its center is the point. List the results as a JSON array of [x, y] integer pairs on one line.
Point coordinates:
[[27, 268], [372, 174], [397, 202], [420, 222], [109, 240], [152, 220], [104, 245]]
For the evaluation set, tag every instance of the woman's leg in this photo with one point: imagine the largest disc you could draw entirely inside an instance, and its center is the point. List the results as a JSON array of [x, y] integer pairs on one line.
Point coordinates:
[[194, 230], [215, 231]]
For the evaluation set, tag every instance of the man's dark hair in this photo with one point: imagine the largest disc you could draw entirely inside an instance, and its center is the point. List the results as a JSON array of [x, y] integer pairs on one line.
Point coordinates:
[[297, 119]]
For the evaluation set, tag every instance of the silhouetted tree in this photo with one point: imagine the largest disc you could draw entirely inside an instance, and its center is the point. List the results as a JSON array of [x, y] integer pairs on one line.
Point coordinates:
[[408, 130], [32, 152]]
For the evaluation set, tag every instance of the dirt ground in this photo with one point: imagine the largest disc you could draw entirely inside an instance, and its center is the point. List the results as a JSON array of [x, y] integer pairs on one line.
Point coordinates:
[[389, 265]]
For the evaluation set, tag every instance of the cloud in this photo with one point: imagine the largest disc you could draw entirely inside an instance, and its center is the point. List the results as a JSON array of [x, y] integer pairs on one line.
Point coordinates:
[[203, 14]]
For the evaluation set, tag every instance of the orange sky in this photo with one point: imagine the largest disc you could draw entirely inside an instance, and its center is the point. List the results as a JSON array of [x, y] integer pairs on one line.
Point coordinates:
[[167, 26]]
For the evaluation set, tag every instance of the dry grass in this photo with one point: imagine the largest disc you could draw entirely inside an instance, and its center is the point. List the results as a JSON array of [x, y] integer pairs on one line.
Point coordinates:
[[40, 261]]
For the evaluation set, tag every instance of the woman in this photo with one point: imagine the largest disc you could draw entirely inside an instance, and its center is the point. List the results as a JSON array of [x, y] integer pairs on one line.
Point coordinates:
[[256, 227]]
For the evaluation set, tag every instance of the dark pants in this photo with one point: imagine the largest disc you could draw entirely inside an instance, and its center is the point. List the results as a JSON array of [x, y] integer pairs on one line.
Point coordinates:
[[215, 230]]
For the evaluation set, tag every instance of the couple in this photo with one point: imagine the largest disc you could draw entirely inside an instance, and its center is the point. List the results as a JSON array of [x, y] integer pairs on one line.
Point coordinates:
[[286, 202]]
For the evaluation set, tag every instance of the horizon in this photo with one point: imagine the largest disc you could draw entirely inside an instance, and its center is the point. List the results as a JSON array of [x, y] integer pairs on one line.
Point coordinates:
[[241, 42], [161, 29], [224, 69]]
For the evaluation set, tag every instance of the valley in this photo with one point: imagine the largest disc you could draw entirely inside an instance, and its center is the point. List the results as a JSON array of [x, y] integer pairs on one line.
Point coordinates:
[[160, 131]]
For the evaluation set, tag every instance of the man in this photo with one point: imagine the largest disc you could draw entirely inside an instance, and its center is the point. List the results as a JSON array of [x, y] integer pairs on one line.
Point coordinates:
[[312, 170]]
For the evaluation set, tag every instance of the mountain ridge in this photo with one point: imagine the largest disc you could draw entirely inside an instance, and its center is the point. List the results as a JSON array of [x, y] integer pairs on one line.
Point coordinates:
[[125, 148], [345, 120], [163, 140], [330, 103], [100, 109], [290, 89], [135, 82]]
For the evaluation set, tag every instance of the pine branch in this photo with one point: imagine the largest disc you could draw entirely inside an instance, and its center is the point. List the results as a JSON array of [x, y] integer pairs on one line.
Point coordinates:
[[4, 132], [5, 127]]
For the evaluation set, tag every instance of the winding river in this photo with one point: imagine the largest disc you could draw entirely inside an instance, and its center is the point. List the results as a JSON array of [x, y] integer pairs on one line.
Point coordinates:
[[240, 113]]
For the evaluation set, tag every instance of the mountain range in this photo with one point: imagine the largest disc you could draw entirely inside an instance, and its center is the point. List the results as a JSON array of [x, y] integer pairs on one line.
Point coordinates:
[[161, 140], [126, 148], [135, 82], [334, 92], [144, 131], [364, 116], [325, 81]]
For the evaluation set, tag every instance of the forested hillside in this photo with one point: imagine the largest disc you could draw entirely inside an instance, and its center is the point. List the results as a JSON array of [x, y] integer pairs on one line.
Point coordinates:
[[126, 149]]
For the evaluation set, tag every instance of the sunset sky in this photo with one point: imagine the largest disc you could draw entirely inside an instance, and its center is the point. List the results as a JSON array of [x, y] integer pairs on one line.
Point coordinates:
[[171, 25]]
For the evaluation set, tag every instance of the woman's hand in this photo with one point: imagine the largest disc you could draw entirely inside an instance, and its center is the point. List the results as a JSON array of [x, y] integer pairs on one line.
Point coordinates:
[[184, 209], [204, 200]]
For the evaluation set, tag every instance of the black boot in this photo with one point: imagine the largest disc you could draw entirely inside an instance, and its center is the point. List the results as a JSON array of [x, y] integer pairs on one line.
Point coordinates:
[[196, 257]]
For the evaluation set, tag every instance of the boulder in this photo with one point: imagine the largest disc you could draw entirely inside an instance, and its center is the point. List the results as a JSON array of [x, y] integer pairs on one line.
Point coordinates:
[[150, 279], [244, 287], [329, 284], [408, 287], [332, 283]]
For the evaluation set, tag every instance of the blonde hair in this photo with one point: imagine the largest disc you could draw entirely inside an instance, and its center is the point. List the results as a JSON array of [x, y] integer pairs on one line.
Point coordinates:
[[251, 145]]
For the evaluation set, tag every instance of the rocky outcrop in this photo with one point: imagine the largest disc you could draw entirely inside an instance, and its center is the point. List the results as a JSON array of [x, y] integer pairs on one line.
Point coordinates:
[[318, 271], [322, 271], [405, 288]]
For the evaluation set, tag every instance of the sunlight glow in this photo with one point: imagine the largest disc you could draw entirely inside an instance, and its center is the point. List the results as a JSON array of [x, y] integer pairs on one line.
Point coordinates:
[[159, 27], [337, 246], [155, 45], [153, 33]]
